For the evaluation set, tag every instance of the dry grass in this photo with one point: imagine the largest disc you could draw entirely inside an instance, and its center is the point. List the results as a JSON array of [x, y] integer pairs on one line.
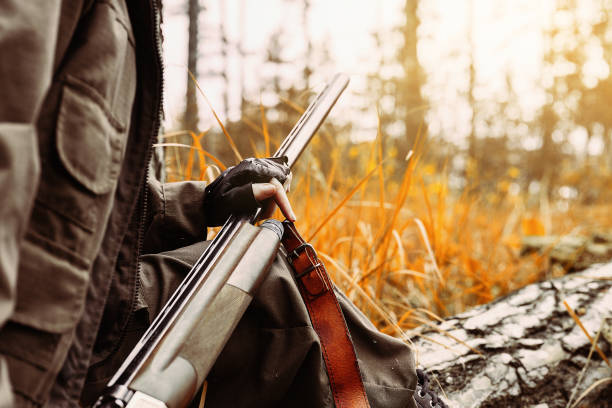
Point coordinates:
[[405, 247]]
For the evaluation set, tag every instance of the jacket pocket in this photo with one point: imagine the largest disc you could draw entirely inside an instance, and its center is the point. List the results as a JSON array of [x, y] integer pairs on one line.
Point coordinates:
[[51, 301], [81, 161], [87, 138], [48, 307]]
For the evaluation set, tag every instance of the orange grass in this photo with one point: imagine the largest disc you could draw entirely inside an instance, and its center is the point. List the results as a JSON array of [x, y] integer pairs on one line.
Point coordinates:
[[403, 245], [586, 333]]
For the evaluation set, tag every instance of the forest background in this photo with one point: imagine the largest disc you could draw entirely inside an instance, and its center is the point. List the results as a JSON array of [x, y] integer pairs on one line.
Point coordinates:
[[470, 128]]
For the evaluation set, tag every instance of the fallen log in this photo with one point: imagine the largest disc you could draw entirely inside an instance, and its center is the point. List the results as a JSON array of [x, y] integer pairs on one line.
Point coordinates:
[[526, 349], [571, 252]]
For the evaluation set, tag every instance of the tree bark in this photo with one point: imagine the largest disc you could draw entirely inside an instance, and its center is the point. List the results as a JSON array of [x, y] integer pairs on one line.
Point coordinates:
[[532, 350]]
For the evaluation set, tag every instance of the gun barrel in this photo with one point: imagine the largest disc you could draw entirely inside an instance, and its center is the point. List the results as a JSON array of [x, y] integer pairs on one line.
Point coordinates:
[[297, 140]]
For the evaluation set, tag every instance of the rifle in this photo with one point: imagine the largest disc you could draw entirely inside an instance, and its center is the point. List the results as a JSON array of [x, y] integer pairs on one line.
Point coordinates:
[[172, 359]]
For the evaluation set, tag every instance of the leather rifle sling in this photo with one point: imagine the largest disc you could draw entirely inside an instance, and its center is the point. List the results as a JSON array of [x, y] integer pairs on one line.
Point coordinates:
[[317, 290]]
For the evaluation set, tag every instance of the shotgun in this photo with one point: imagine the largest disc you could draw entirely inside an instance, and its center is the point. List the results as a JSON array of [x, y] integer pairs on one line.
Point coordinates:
[[172, 359]]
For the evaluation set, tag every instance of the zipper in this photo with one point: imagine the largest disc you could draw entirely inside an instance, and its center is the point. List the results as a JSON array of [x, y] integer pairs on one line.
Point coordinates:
[[144, 196]]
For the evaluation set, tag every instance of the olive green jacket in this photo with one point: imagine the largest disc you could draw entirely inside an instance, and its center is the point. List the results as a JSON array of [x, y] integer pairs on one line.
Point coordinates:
[[80, 108]]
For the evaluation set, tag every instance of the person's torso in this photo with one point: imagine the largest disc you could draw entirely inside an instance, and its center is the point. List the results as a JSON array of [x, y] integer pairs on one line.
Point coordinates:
[[95, 130]]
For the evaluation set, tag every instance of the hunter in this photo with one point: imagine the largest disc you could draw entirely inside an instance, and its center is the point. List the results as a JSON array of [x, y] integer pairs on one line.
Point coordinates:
[[92, 244]]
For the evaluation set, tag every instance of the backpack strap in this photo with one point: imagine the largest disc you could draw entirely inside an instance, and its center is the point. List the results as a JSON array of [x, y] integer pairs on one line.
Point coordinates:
[[317, 291]]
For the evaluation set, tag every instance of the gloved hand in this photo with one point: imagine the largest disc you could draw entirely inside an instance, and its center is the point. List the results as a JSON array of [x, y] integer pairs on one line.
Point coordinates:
[[252, 183]]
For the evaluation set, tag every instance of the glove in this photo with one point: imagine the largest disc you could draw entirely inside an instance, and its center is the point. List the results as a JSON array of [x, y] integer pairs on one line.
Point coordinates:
[[232, 191]]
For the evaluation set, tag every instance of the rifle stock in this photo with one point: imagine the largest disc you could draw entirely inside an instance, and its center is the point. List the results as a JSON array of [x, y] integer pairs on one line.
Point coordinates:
[[173, 358]]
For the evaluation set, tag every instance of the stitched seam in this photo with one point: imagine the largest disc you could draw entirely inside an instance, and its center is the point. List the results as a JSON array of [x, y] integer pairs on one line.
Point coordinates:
[[389, 386], [67, 217], [353, 353], [48, 244], [89, 90], [119, 18], [26, 396], [330, 371]]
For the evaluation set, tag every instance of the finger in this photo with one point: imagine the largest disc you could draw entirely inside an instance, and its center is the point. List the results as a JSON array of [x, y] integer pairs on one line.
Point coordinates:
[[281, 199], [287, 183], [275, 191], [263, 191]]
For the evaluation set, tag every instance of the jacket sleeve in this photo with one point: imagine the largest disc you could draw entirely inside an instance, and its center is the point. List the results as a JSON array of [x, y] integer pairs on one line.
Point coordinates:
[[175, 215], [28, 33]]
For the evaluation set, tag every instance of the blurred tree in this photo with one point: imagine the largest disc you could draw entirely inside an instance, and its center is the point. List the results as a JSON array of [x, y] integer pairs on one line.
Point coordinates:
[[577, 98], [593, 111], [493, 154], [190, 118], [410, 104], [242, 53], [472, 154], [397, 86], [224, 57], [307, 71], [562, 61]]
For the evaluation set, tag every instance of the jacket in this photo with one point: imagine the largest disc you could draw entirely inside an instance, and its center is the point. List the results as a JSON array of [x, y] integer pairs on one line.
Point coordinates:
[[80, 110]]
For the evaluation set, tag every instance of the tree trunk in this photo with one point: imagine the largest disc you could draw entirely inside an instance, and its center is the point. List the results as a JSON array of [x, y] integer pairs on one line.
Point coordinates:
[[472, 75], [190, 120], [533, 352]]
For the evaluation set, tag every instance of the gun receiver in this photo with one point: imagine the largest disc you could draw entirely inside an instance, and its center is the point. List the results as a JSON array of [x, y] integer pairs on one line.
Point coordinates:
[[172, 359]]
